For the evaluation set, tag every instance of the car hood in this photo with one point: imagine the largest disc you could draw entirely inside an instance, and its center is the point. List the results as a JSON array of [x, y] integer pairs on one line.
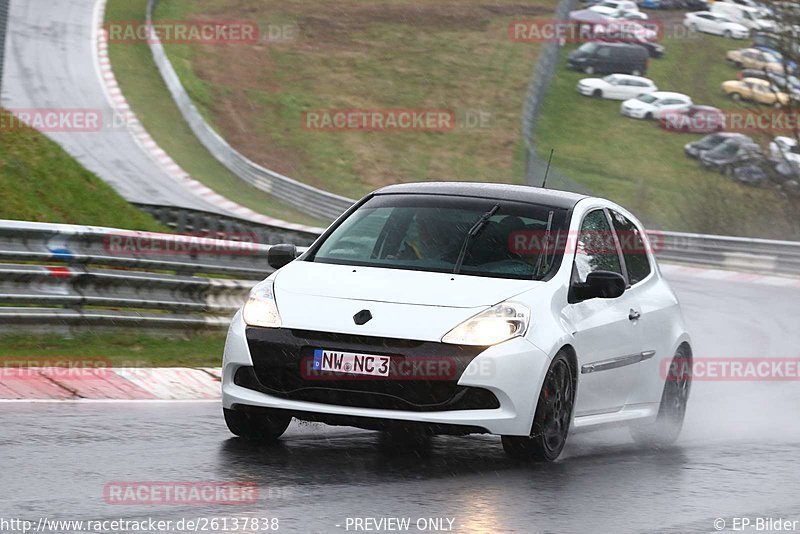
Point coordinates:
[[399, 286], [593, 82], [402, 304], [634, 103]]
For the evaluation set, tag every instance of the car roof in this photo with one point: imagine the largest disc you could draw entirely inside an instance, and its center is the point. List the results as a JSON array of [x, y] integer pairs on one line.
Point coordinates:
[[759, 81], [524, 193]]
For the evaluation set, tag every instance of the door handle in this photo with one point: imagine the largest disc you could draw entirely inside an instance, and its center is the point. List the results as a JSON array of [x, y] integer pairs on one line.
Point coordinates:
[[634, 315]]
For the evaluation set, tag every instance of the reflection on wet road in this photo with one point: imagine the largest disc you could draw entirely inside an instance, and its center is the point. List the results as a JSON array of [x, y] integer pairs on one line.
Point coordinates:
[[738, 455]]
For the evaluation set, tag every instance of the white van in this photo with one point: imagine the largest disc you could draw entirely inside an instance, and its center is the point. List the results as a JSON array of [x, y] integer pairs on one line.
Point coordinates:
[[750, 17]]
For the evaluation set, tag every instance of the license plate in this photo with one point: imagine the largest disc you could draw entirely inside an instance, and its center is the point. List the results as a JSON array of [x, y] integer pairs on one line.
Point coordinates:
[[351, 362]]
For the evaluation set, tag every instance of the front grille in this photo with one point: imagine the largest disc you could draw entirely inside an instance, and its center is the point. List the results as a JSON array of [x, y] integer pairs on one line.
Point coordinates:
[[281, 359]]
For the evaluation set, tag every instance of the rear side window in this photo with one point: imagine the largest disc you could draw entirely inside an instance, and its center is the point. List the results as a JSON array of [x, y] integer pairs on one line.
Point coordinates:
[[596, 249], [634, 250]]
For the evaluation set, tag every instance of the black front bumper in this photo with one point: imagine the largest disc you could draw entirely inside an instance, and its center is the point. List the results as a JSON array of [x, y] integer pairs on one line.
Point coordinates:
[[423, 375]]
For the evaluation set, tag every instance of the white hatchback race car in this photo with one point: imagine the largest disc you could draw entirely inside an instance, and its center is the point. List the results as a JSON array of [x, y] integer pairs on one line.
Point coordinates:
[[464, 308]]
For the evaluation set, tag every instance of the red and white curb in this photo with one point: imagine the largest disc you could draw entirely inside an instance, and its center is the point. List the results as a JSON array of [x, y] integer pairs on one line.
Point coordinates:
[[130, 384], [123, 111], [721, 275]]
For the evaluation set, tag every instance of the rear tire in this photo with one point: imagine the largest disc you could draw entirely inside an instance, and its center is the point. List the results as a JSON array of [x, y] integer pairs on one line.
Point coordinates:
[[258, 425], [727, 34], [553, 416], [674, 399]]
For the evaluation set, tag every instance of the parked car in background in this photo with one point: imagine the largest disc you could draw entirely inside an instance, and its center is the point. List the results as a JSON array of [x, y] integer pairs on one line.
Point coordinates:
[[661, 4], [784, 151], [607, 58], [624, 31], [695, 5], [753, 58], [790, 82], [693, 119], [754, 174], [704, 21], [696, 149], [649, 106], [755, 90], [616, 86], [618, 9], [750, 17], [731, 153]]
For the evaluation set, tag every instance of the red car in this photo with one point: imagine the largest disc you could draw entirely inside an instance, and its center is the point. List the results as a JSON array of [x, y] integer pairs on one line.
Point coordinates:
[[693, 119]]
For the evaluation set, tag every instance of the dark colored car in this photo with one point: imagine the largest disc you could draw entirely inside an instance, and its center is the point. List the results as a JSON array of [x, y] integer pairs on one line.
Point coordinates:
[[693, 119], [750, 174], [696, 148], [607, 58], [661, 4], [731, 153]]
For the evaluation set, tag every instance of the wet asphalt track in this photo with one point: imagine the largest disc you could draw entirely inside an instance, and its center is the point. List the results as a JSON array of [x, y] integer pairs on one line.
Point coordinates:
[[50, 65], [739, 455]]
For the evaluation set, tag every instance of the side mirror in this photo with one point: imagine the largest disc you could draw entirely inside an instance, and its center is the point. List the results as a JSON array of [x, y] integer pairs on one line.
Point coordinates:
[[599, 285], [280, 255]]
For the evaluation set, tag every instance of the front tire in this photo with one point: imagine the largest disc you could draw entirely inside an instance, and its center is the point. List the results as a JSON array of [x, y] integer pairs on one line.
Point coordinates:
[[258, 425], [672, 411], [553, 416]]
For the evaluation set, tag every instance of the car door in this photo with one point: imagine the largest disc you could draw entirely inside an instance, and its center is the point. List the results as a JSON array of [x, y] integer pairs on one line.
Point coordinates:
[[605, 331], [620, 89], [653, 306], [603, 60]]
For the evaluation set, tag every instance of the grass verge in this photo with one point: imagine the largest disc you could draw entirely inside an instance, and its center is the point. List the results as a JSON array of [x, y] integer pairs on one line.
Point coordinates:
[[122, 349], [643, 167], [446, 54], [149, 98], [41, 182]]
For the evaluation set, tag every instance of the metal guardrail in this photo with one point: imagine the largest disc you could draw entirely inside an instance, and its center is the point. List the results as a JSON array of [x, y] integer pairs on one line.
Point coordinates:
[[189, 221], [543, 73], [58, 276], [317, 202]]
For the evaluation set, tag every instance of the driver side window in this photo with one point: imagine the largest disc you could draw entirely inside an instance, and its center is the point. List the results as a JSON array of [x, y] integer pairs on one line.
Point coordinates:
[[596, 249]]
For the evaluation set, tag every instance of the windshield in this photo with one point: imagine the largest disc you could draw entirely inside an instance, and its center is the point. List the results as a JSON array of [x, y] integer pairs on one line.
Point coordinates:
[[710, 141], [611, 78], [427, 233], [728, 148], [588, 47], [647, 99]]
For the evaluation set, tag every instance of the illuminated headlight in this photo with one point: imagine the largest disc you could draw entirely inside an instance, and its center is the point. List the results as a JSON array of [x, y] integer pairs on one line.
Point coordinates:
[[260, 308], [495, 325]]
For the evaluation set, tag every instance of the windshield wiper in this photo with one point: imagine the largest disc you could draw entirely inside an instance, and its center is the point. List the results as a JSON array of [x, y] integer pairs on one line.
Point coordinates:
[[473, 233]]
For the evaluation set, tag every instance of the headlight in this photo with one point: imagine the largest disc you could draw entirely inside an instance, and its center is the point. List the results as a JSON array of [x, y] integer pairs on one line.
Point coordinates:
[[260, 308], [495, 325]]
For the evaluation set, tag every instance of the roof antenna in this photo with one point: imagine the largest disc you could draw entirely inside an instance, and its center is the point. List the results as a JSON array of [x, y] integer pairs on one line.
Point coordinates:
[[547, 171]]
